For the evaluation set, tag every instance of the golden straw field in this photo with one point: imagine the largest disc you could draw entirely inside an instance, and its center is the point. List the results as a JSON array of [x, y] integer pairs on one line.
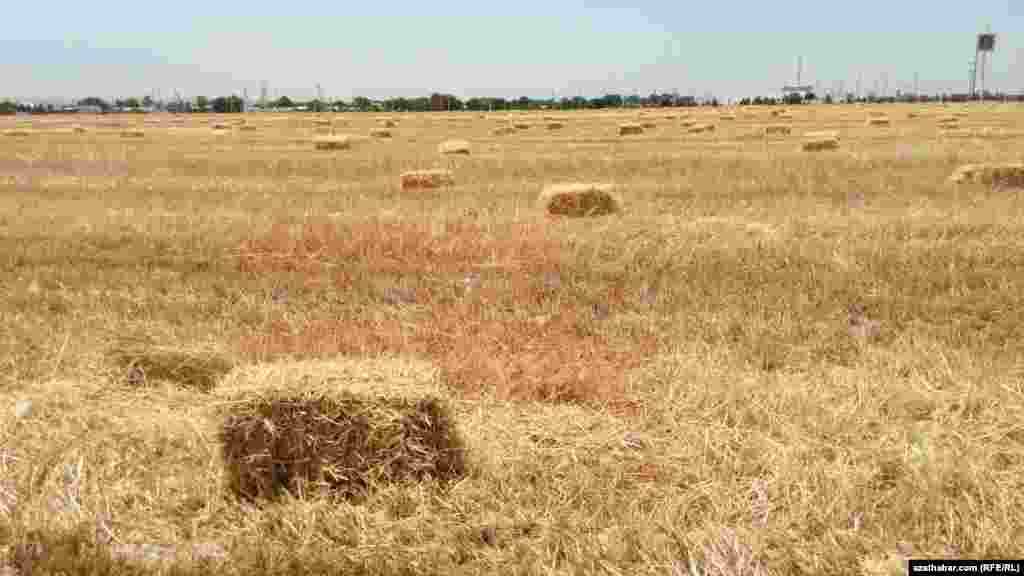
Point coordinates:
[[777, 356]]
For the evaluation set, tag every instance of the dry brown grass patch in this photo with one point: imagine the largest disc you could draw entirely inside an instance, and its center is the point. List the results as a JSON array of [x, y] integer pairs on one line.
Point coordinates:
[[343, 427]]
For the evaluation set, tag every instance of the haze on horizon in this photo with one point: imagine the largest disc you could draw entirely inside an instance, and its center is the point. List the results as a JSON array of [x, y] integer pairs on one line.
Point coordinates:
[[526, 48]]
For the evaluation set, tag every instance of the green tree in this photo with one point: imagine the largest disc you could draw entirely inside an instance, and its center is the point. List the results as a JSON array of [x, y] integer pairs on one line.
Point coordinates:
[[202, 104], [94, 101], [362, 103], [8, 108], [228, 104], [284, 102]]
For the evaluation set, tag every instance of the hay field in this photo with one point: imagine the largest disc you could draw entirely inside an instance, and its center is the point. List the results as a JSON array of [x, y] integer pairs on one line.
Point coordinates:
[[771, 361]]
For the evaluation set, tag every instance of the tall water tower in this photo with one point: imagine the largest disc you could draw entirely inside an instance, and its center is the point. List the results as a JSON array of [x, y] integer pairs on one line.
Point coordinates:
[[985, 45]]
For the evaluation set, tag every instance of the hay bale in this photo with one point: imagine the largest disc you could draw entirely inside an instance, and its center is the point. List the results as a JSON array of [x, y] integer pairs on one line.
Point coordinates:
[[727, 116], [427, 179], [877, 121], [139, 362], [326, 122], [333, 142], [1011, 175], [387, 122], [701, 128], [688, 123], [579, 199], [780, 113], [18, 132], [820, 141], [630, 128], [454, 147], [79, 129], [521, 126], [343, 427], [648, 125], [503, 131], [380, 133], [133, 133], [777, 130], [555, 125], [248, 128]]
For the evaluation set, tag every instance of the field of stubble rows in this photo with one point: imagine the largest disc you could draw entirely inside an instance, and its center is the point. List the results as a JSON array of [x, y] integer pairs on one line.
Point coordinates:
[[769, 361]]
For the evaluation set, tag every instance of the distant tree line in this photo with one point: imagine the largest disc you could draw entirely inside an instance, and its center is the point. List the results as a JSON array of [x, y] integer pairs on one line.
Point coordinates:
[[443, 102]]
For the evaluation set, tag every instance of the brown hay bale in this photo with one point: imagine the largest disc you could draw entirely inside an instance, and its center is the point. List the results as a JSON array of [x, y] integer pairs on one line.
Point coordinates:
[[503, 131], [1009, 175], [521, 126], [948, 120], [820, 141], [380, 133], [79, 129], [701, 128], [248, 127], [630, 129], [688, 123], [648, 125], [387, 122], [140, 362], [777, 130], [454, 147], [333, 142], [322, 122], [343, 427], [912, 115], [555, 125], [427, 179], [877, 121], [133, 133], [727, 116], [18, 132], [780, 112], [579, 199]]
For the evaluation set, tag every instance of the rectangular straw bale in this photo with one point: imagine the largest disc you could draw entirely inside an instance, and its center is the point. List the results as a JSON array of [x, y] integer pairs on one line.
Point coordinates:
[[427, 179], [1009, 174], [338, 427], [630, 129], [777, 130], [580, 199], [333, 142]]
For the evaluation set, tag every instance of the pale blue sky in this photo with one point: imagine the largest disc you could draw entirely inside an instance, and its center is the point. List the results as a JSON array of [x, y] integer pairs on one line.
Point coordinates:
[[526, 47]]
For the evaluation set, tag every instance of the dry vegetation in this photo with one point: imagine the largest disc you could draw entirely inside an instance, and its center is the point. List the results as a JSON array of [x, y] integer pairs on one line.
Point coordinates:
[[767, 362]]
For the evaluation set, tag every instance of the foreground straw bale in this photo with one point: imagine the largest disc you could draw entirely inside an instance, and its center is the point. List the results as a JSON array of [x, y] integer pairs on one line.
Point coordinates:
[[140, 362], [1011, 175], [820, 141], [427, 179], [343, 427], [630, 129], [454, 147], [580, 199], [334, 142]]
